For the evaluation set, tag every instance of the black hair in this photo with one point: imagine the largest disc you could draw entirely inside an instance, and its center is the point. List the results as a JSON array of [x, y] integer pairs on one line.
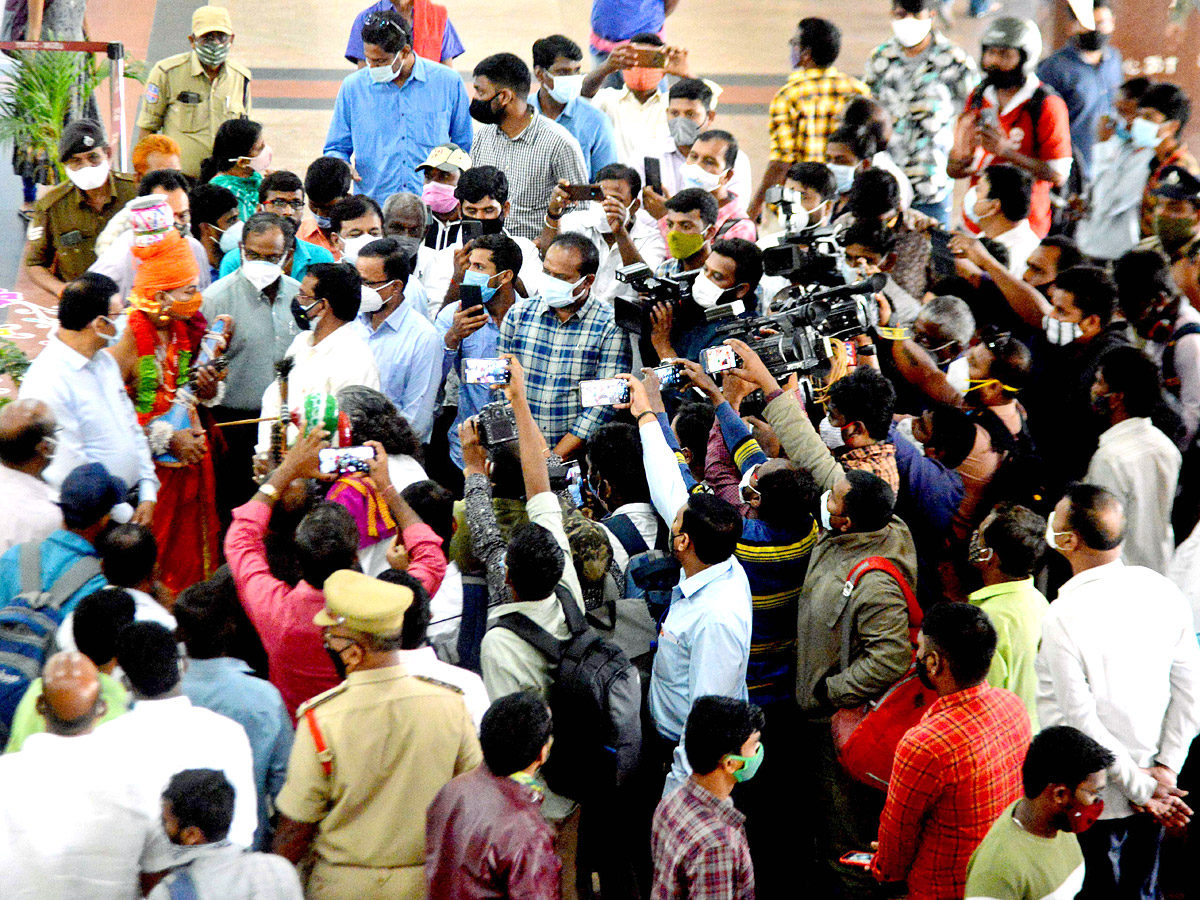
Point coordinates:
[[478, 182], [326, 179], [618, 172], [814, 175], [262, 222], [589, 256], [692, 89], [547, 50], [648, 39], [326, 541], [513, 732], [1018, 537], [867, 396], [1012, 187], [695, 200], [167, 179], [1093, 290], [435, 505], [822, 39], [718, 727], [281, 182], [339, 285], [1069, 253], [874, 194], [953, 433], [387, 30], [147, 653], [84, 299], [963, 634], [692, 425], [872, 234], [868, 113], [535, 562], [1170, 100], [506, 253], [235, 139], [747, 259], [414, 632], [912, 7], [373, 417], [870, 501], [127, 554], [201, 798], [208, 203], [21, 446], [396, 265], [862, 141], [99, 619], [785, 493], [1135, 88], [506, 70], [1089, 506], [1011, 362], [998, 251], [1142, 277], [205, 622], [731, 144], [713, 526], [1062, 755], [1132, 374], [609, 453], [356, 206]]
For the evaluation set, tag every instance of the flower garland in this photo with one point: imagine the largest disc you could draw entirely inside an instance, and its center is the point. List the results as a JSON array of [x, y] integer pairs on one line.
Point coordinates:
[[148, 400]]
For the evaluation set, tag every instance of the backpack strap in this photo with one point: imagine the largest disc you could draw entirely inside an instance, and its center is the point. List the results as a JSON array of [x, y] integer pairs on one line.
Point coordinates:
[[324, 754], [1170, 375], [30, 563], [626, 532], [880, 564], [576, 621], [64, 588], [729, 223], [182, 886], [533, 634]]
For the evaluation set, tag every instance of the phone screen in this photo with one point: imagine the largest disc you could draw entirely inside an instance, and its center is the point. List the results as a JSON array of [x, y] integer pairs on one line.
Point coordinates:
[[581, 192], [471, 229], [653, 174], [719, 359], [485, 371], [669, 376], [650, 58], [603, 392], [344, 459], [860, 858], [470, 296], [575, 484]]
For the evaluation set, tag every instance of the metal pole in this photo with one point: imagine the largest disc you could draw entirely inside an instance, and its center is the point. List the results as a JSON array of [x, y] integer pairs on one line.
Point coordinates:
[[116, 94]]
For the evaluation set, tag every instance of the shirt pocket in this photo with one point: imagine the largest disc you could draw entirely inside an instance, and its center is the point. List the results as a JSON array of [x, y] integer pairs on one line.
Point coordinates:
[[424, 127], [185, 117]]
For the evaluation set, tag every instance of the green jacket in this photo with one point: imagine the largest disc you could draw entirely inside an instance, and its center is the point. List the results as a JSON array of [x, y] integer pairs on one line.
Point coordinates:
[[27, 720], [1016, 609]]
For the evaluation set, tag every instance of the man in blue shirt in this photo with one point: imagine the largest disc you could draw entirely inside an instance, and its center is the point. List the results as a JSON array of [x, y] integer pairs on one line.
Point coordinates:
[[614, 21], [451, 45], [1086, 73], [557, 61], [389, 115], [492, 265], [282, 193]]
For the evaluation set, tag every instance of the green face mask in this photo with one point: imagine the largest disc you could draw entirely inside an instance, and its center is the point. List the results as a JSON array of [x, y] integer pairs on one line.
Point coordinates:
[[750, 764], [212, 54], [681, 245], [1174, 232]]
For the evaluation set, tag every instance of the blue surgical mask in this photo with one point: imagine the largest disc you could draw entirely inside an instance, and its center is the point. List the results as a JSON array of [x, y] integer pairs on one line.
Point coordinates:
[[557, 293], [844, 175], [1144, 133], [480, 280], [324, 222]]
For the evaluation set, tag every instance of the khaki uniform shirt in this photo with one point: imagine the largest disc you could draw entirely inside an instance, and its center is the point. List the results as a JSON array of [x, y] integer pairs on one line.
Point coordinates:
[[395, 740], [63, 229], [183, 104]]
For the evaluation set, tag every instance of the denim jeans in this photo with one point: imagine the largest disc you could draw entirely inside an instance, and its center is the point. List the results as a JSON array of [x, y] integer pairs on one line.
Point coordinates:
[[939, 211], [1121, 859]]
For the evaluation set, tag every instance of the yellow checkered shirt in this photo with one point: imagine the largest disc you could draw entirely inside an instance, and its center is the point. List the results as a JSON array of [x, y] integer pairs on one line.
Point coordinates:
[[804, 113]]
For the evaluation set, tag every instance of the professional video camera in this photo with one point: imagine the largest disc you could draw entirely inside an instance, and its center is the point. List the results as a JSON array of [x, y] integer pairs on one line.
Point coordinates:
[[808, 257], [635, 317]]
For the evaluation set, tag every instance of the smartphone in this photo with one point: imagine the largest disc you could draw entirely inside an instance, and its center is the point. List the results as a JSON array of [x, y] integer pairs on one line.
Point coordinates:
[[575, 484], [344, 459], [718, 359], [670, 376], [471, 229], [579, 193], [486, 371], [860, 858], [603, 392], [989, 116], [650, 57], [470, 296], [653, 174], [939, 253]]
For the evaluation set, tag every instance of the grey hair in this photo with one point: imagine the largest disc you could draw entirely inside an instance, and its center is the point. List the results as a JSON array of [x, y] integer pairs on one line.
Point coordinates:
[[952, 316], [401, 202]]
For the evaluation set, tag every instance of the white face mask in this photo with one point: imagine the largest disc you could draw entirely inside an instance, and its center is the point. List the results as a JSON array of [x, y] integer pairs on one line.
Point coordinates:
[[831, 435], [695, 177], [1060, 333], [110, 339], [910, 30], [602, 218], [970, 198], [557, 293], [746, 489], [706, 292], [351, 247], [1143, 133], [371, 301], [844, 175], [826, 515], [566, 87], [231, 236], [260, 273], [90, 178], [384, 74]]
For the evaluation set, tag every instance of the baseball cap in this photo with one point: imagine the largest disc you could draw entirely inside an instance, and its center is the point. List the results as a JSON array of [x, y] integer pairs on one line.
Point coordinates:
[[207, 19], [88, 493], [363, 603], [81, 136], [1178, 183], [447, 158]]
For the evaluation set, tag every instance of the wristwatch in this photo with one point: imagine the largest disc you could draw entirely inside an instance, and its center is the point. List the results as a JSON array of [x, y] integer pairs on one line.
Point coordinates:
[[868, 350]]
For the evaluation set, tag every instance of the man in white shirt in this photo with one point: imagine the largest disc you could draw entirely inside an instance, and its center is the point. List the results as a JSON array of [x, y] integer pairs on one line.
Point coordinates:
[[330, 355], [1000, 207], [1120, 662], [84, 389], [1135, 461], [27, 442], [68, 826]]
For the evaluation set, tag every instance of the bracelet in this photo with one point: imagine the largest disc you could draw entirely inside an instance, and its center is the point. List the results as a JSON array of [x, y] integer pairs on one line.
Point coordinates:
[[392, 489], [269, 491], [647, 413], [868, 350], [552, 221], [893, 334]]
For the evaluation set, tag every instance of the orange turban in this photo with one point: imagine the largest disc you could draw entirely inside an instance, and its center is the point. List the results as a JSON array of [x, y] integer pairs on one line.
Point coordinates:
[[164, 266]]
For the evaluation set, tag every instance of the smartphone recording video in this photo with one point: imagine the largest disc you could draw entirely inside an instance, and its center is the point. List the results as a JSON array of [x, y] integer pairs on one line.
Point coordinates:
[[718, 359], [486, 371], [603, 392]]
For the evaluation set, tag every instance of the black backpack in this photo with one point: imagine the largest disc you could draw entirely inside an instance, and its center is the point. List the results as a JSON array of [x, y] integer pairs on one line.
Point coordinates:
[[652, 572], [595, 701]]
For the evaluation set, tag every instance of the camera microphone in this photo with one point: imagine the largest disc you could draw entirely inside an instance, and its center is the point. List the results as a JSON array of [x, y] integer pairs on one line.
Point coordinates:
[[872, 285]]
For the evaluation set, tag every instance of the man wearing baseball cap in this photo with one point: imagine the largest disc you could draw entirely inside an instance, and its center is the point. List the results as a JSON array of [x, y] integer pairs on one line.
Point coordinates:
[[442, 168], [64, 224], [1176, 216], [188, 96], [371, 754]]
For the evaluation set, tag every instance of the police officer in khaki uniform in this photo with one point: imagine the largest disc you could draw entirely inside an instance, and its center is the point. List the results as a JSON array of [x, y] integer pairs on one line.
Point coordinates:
[[190, 94], [65, 222], [371, 754]]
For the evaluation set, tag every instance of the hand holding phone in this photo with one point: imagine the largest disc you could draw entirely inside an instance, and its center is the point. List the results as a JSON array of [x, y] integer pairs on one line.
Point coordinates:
[[603, 392], [649, 57], [670, 375], [486, 371], [581, 193], [341, 460], [653, 170], [861, 859], [718, 359]]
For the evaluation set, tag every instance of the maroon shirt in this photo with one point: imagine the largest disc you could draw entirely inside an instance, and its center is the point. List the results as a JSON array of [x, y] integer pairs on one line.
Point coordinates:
[[485, 838]]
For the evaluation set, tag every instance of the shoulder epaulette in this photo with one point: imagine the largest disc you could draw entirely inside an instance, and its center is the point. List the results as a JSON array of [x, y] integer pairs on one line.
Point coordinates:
[[436, 683], [319, 699], [173, 62]]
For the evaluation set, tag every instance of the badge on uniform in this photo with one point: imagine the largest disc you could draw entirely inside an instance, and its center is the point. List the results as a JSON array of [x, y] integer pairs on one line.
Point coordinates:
[[88, 140], [34, 232], [151, 92]]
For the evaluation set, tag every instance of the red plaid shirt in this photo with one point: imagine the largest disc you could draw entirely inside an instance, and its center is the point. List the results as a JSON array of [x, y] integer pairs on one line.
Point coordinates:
[[955, 773], [699, 847]]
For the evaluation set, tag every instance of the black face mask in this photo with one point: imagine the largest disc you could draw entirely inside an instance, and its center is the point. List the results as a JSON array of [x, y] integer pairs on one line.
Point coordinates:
[[1002, 79], [490, 226], [409, 246], [1091, 41], [483, 113], [300, 316], [339, 664]]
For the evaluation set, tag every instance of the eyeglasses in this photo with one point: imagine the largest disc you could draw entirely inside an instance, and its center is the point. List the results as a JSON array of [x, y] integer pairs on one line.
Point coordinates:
[[278, 259], [281, 203], [992, 338]]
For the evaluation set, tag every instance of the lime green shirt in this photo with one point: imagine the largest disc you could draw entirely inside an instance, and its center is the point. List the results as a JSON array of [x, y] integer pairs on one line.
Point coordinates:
[[1016, 609], [27, 720], [1012, 864]]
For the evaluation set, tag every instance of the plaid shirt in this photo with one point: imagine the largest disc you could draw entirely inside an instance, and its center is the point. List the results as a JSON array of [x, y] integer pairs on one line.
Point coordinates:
[[878, 459], [955, 772], [699, 847], [557, 355], [805, 111]]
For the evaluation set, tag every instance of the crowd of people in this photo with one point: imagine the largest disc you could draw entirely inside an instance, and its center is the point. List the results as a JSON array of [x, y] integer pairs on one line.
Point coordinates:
[[471, 511]]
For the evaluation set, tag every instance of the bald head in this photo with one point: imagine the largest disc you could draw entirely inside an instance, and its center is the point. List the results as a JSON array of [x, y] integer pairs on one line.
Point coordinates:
[[24, 425], [1096, 515], [70, 701]]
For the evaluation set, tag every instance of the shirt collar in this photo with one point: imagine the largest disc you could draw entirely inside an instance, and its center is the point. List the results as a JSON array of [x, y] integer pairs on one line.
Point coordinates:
[[1135, 424], [420, 71], [1087, 576], [958, 698], [568, 110], [395, 317], [998, 590], [723, 809], [370, 676], [694, 583], [217, 664], [72, 357]]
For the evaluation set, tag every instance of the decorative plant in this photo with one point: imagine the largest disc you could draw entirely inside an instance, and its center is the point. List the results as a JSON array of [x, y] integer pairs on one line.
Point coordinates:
[[13, 363]]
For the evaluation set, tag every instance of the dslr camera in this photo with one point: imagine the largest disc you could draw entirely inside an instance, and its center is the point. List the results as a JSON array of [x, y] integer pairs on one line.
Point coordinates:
[[497, 424]]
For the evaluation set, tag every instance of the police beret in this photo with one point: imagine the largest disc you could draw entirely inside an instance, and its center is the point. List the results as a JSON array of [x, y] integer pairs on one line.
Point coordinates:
[[81, 136]]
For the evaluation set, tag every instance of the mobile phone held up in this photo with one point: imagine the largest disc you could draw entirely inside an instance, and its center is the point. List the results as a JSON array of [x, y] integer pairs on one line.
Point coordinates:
[[470, 229], [650, 58], [470, 297], [603, 392], [718, 359], [340, 460], [670, 376], [486, 371], [653, 173], [580, 193], [861, 859]]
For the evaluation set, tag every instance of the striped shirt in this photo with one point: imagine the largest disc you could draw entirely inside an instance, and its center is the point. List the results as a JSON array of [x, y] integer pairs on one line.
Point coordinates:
[[699, 847], [805, 111]]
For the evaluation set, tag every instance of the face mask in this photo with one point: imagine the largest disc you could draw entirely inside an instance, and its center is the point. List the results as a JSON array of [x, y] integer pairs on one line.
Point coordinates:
[[557, 293], [1003, 80], [300, 315], [1144, 133], [351, 247], [750, 765], [231, 236], [490, 226], [339, 664], [439, 197], [681, 245], [746, 489], [566, 87], [260, 273], [410, 247], [323, 222], [844, 175], [384, 74], [683, 131], [1080, 820], [371, 300], [1120, 129], [262, 161], [90, 178], [1090, 41], [792, 212], [1052, 535], [1060, 333], [480, 280], [601, 218], [823, 510], [642, 80], [110, 339], [1174, 232], [977, 554], [970, 198], [706, 292], [831, 435], [695, 177], [212, 55], [483, 113], [910, 31]]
